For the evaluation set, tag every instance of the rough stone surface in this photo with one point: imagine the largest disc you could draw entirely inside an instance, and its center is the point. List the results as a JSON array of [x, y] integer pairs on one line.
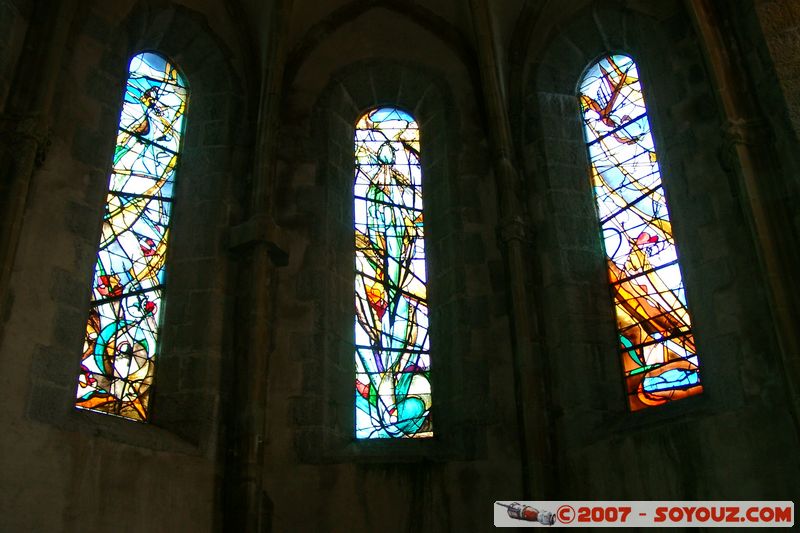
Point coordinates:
[[258, 358]]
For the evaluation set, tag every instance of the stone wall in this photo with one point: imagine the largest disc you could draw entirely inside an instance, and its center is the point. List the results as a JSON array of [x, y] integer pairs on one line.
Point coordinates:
[[254, 384], [674, 451], [767, 32], [311, 375], [95, 471], [13, 25], [779, 21]]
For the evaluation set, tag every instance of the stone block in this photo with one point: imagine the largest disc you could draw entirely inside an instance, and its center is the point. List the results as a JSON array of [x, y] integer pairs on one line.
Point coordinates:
[[474, 249], [50, 402], [54, 366]]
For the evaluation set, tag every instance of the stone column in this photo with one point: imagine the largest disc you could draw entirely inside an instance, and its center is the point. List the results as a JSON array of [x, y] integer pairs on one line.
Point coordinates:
[[531, 409], [255, 244], [25, 123]]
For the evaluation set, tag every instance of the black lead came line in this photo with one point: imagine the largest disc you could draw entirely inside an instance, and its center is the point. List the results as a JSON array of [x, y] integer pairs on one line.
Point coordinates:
[[388, 204], [646, 272], [632, 203], [688, 333], [156, 80], [97, 303], [147, 142], [141, 196], [385, 349], [620, 127]]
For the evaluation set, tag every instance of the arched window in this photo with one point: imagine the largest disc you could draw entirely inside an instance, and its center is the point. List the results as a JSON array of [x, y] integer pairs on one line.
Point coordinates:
[[392, 348], [655, 330], [122, 331]]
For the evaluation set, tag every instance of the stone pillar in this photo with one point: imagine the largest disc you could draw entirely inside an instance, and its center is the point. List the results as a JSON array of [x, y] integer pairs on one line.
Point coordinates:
[[255, 245], [531, 409], [25, 123]]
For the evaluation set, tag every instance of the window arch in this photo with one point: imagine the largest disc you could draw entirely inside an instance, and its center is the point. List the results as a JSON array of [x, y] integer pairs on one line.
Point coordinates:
[[122, 331], [657, 345], [392, 348]]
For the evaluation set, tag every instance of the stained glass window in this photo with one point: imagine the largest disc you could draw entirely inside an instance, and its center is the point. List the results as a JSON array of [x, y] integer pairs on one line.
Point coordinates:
[[392, 348], [655, 330], [122, 330]]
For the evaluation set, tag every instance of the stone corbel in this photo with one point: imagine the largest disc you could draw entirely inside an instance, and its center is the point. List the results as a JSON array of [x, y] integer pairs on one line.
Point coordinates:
[[740, 134], [512, 229], [747, 132], [16, 130], [260, 230]]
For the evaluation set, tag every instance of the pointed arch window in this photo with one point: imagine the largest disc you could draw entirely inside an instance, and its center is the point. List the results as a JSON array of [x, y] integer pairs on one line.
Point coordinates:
[[126, 302], [657, 344], [392, 348]]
